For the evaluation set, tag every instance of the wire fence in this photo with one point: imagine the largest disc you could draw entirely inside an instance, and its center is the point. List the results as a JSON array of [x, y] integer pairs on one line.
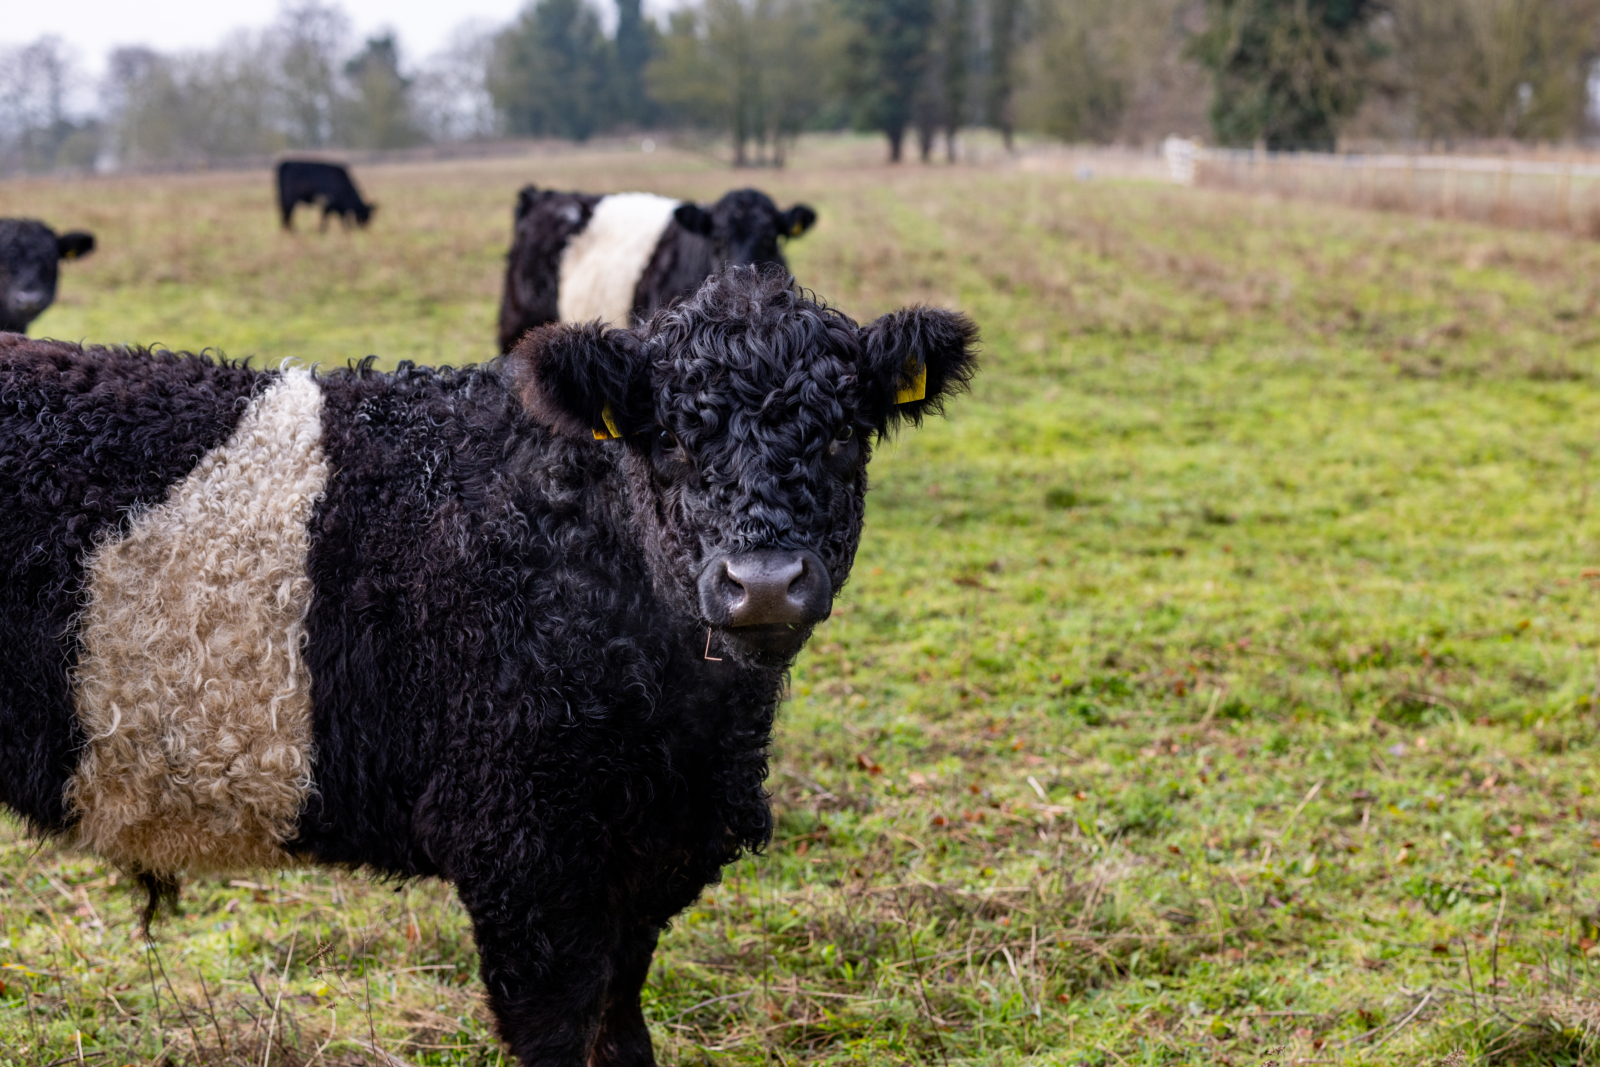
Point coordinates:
[[1560, 194]]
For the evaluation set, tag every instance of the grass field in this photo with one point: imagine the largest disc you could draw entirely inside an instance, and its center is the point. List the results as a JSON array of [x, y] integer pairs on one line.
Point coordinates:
[[1219, 684]]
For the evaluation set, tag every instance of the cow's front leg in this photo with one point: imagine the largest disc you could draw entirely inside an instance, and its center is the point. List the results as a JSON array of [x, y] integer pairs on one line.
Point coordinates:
[[624, 1039], [546, 969]]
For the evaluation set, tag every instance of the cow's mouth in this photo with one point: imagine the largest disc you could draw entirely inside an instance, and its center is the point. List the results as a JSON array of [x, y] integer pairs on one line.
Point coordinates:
[[770, 643], [762, 605]]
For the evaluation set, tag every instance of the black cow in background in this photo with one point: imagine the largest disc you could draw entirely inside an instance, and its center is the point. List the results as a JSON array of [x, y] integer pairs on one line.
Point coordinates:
[[616, 259], [306, 181], [29, 253]]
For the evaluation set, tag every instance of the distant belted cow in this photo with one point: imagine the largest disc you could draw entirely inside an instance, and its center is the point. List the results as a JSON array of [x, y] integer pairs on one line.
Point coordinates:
[[616, 259], [29, 254], [307, 181]]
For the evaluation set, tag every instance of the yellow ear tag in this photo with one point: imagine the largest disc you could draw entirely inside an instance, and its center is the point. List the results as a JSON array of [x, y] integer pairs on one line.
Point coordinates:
[[797, 229], [610, 433], [915, 388]]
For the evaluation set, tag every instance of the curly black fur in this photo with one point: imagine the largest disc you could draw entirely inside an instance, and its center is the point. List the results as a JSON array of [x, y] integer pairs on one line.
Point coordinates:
[[86, 436], [30, 252]]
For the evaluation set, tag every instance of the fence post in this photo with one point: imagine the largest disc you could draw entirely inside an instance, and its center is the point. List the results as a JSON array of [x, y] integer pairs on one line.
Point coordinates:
[[1566, 198], [1502, 190]]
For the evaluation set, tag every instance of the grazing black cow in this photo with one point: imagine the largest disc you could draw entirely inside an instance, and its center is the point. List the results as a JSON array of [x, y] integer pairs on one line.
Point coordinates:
[[29, 254], [306, 181], [522, 626], [617, 259]]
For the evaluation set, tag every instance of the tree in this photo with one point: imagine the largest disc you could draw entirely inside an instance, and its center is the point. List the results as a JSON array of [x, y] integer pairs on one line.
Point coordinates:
[[1005, 26], [636, 45], [747, 67], [954, 52], [36, 132], [1085, 66], [1497, 68], [888, 59], [194, 106], [1286, 72], [451, 96], [942, 98], [378, 113], [552, 72], [310, 38]]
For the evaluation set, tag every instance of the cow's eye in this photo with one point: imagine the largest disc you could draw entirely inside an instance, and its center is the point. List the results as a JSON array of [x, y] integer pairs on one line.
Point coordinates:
[[668, 441], [844, 434]]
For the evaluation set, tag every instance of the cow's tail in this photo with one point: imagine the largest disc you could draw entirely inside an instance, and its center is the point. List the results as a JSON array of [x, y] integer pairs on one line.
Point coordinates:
[[158, 889]]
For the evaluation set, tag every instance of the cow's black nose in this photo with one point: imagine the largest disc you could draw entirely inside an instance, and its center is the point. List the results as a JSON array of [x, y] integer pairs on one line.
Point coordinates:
[[29, 299], [766, 589]]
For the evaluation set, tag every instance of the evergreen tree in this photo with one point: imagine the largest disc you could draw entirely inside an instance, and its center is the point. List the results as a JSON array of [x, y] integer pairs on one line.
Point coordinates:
[[957, 45], [636, 44], [889, 56], [1005, 26], [1286, 72], [553, 72], [378, 114]]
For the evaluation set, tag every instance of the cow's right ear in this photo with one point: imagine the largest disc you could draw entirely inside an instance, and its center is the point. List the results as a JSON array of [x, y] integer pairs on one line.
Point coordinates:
[[911, 361], [74, 244], [585, 381], [525, 200], [694, 218]]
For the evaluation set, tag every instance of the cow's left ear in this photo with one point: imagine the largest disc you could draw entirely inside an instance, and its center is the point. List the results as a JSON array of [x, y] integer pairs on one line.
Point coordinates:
[[797, 220], [527, 196], [74, 244], [911, 360], [585, 381]]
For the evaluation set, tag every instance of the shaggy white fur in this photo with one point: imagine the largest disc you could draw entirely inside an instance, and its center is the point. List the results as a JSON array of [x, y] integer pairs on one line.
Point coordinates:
[[191, 687], [601, 266]]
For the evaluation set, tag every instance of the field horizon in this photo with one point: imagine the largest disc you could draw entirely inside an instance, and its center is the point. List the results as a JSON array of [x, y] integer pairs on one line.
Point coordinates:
[[1219, 683]]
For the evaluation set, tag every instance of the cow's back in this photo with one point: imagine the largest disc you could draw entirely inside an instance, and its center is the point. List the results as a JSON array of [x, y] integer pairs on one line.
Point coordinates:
[[88, 440], [546, 222]]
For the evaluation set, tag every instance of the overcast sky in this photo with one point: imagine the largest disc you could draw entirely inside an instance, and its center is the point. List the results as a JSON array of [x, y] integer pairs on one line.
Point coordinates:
[[94, 27]]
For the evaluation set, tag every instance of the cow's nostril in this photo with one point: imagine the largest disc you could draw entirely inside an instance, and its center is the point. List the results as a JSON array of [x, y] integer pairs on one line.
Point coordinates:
[[766, 589]]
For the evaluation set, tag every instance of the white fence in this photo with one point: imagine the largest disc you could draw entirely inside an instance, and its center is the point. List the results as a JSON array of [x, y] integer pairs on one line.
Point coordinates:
[[1557, 194]]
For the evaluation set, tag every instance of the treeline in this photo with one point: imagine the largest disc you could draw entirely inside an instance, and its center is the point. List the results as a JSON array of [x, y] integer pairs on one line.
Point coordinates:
[[1284, 73], [303, 82]]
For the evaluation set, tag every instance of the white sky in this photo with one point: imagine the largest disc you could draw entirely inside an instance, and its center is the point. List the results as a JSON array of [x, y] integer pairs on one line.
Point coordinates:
[[93, 27]]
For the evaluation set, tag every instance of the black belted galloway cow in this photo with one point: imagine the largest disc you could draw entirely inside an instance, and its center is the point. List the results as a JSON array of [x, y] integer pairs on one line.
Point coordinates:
[[617, 259], [310, 181], [521, 626]]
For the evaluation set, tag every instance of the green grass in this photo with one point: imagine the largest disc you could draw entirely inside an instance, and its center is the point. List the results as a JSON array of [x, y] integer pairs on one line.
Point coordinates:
[[1217, 685]]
